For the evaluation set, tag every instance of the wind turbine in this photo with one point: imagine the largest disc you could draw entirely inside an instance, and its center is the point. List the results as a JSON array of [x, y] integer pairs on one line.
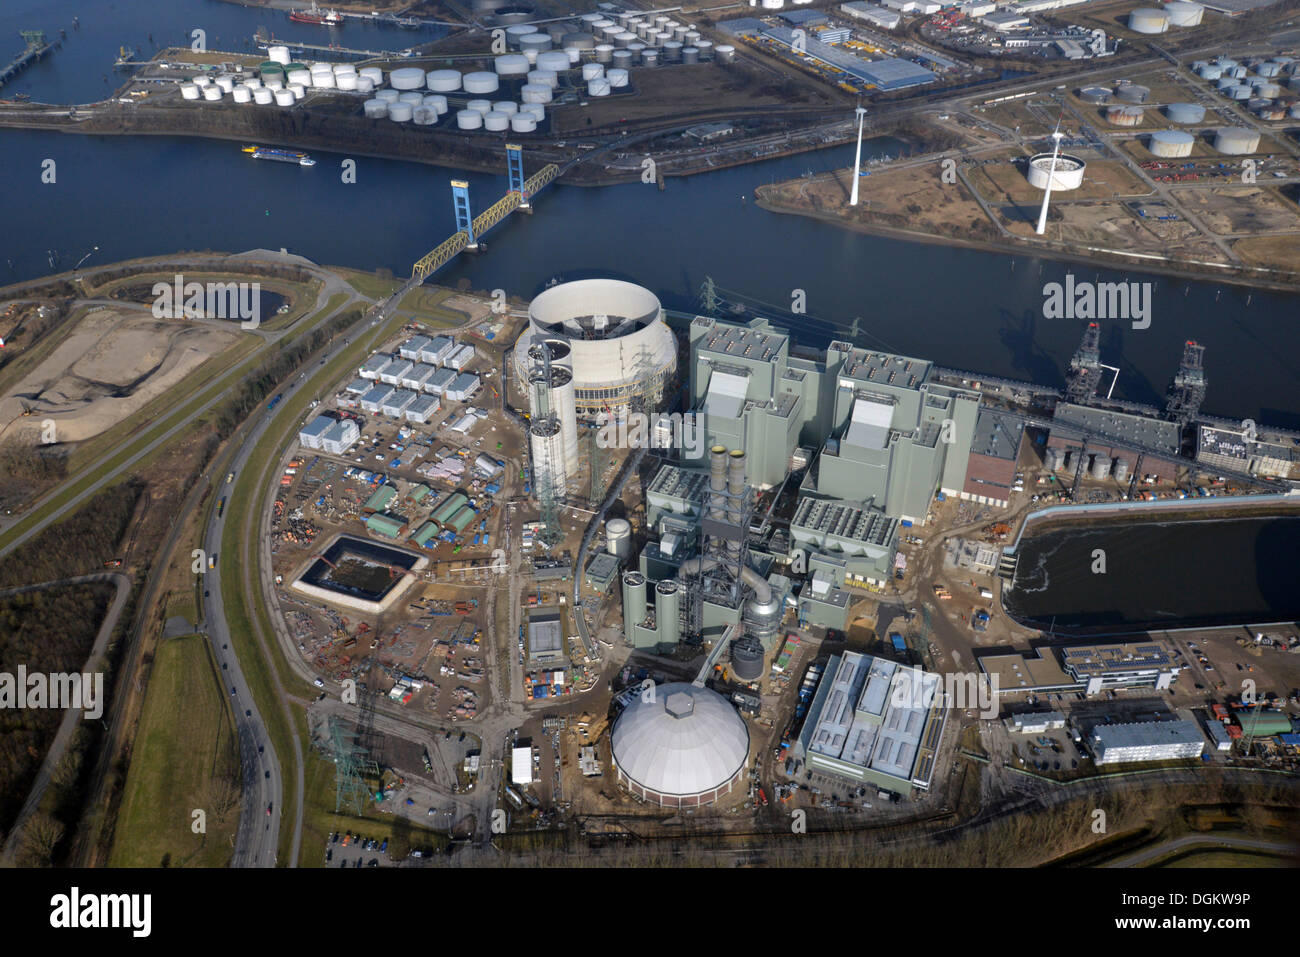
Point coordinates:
[[1051, 175], [857, 159]]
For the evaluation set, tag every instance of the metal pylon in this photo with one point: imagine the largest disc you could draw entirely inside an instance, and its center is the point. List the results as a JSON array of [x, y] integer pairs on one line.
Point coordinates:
[[464, 217], [350, 761]]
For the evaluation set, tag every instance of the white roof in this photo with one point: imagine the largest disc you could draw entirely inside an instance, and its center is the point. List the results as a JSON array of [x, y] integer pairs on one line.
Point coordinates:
[[726, 396], [869, 425], [685, 741], [521, 765]]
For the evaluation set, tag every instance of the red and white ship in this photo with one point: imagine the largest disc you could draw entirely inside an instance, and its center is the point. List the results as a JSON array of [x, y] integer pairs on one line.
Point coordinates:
[[329, 18]]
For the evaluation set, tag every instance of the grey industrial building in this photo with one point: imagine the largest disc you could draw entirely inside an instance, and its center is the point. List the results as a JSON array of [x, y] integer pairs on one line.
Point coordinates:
[[1147, 741], [1091, 669]]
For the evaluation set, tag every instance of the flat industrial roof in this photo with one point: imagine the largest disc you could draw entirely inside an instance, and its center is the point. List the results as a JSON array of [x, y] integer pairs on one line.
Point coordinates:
[[997, 435], [1089, 660], [544, 634], [844, 520], [1135, 429], [1146, 733], [1019, 672]]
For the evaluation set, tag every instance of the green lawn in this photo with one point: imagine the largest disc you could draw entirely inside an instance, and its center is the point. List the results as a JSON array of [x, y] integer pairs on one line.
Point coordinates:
[[185, 757]]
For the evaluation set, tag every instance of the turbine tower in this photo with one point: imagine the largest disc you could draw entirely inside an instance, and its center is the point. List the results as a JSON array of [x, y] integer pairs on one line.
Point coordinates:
[[1051, 175], [857, 159]]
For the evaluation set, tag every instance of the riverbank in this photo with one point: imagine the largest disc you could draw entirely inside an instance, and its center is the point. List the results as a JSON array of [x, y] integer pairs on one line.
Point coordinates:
[[1034, 249]]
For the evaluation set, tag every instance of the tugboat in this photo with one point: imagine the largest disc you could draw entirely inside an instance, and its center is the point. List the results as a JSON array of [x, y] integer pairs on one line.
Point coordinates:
[[328, 18]]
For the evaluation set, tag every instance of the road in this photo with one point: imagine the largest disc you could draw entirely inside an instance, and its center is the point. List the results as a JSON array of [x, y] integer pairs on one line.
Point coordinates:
[[1200, 841], [70, 717]]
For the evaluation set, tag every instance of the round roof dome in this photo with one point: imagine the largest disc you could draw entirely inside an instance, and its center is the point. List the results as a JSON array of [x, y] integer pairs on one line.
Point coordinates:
[[685, 743]]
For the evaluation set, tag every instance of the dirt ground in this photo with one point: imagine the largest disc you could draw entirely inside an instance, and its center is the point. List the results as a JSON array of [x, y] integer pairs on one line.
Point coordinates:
[[113, 362], [1234, 210]]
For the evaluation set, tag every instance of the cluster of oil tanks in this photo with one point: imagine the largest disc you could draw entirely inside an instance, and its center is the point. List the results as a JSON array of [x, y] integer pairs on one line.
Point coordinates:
[[1259, 83], [1176, 13], [1098, 466]]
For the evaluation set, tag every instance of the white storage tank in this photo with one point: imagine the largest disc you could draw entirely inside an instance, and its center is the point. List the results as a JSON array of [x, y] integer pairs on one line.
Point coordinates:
[[649, 57], [544, 78], [1171, 144], [226, 83], [479, 106], [242, 94], [344, 69], [263, 96], [592, 71], [297, 89], [496, 122], [523, 123], [253, 82], [437, 102], [483, 82], [622, 59], [424, 116], [365, 85], [690, 55], [414, 97], [536, 110], [323, 81], [1211, 71], [347, 81], [535, 43], [508, 107], [1121, 470], [1267, 90], [604, 53], [618, 538], [298, 76], [1185, 112], [375, 109], [1236, 140], [190, 91], [512, 64], [278, 54], [535, 93], [387, 96], [597, 87], [271, 83], [1184, 14], [1148, 20], [672, 51], [706, 49], [407, 78], [214, 93], [373, 74], [617, 78], [726, 52], [443, 81], [555, 61], [574, 54], [401, 112], [469, 120], [282, 97], [202, 82], [1269, 68], [517, 32], [1100, 466]]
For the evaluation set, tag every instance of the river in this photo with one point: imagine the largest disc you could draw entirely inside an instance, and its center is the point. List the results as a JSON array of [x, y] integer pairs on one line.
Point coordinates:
[[964, 308]]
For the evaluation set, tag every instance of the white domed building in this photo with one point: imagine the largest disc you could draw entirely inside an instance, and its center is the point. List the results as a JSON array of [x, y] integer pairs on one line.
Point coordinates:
[[686, 747], [616, 342]]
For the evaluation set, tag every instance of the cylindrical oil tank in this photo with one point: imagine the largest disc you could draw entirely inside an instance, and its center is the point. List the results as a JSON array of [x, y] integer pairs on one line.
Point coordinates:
[[375, 109], [277, 54], [1054, 459], [554, 60], [598, 87], [726, 52], [535, 93], [617, 78], [1182, 13], [512, 64], [1225, 83], [1238, 72], [262, 96], [242, 94], [1271, 111], [544, 78], [271, 67], [1185, 112], [365, 85], [297, 89], [1269, 68], [679, 34], [1121, 470], [1124, 115], [618, 538], [1100, 466], [252, 82], [1211, 71], [414, 97], [282, 97], [373, 74], [203, 82], [668, 598], [437, 102], [1236, 140], [624, 39], [557, 32], [344, 69], [214, 93], [517, 32], [1095, 94], [649, 57], [1268, 90], [324, 81], [747, 659], [469, 120], [1148, 20], [347, 81], [706, 49], [1132, 93], [424, 116], [536, 110], [692, 37], [535, 43], [407, 78], [1225, 62], [190, 91], [401, 112], [479, 106], [623, 59], [591, 17], [443, 81], [1257, 103], [690, 55], [1171, 144], [271, 83], [1241, 92], [387, 96], [592, 71], [496, 122], [523, 123], [508, 107], [227, 83], [483, 82], [672, 51], [604, 53], [580, 41]]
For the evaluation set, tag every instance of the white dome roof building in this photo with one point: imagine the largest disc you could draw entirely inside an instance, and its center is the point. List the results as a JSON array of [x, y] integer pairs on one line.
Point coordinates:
[[684, 748]]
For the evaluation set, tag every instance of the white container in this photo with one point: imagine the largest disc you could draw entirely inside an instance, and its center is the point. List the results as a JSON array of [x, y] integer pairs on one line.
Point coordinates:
[[226, 83], [443, 81], [214, 93], [190, 91], [365, 85], [297, 89], [347, 81], [482, 82], [592, 71], [496, 122], [202, 82], [298, 76], [375, 109], [424, 116], [598, 87], [479, 106], [574, 54], [344, 69], [512, 64], [535, 93], [242, 94], [253, 82], [277, 54], [617, 78], [373, 74], [523, 123], [508, 107], [538, 112], [401, 112], [544, 78], [407, 78], [274, 83], [437, 102], [387, 96], [262, 96], [414, 97], [284, 98], [323, 81], [469, 120], [555, 61]]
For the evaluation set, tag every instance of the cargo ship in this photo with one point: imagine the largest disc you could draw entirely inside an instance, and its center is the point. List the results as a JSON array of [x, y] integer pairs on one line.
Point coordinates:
[[281, 156], [329, 18]]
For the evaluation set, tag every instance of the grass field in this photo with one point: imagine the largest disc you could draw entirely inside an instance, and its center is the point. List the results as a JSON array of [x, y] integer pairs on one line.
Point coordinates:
[[371, 285], [185, 758]]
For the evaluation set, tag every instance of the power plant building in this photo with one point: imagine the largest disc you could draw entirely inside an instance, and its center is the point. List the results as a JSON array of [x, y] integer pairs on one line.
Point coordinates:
[[874, 721]]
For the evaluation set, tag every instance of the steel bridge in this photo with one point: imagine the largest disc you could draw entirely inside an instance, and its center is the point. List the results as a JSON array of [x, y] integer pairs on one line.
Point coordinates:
[[470, 227]]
